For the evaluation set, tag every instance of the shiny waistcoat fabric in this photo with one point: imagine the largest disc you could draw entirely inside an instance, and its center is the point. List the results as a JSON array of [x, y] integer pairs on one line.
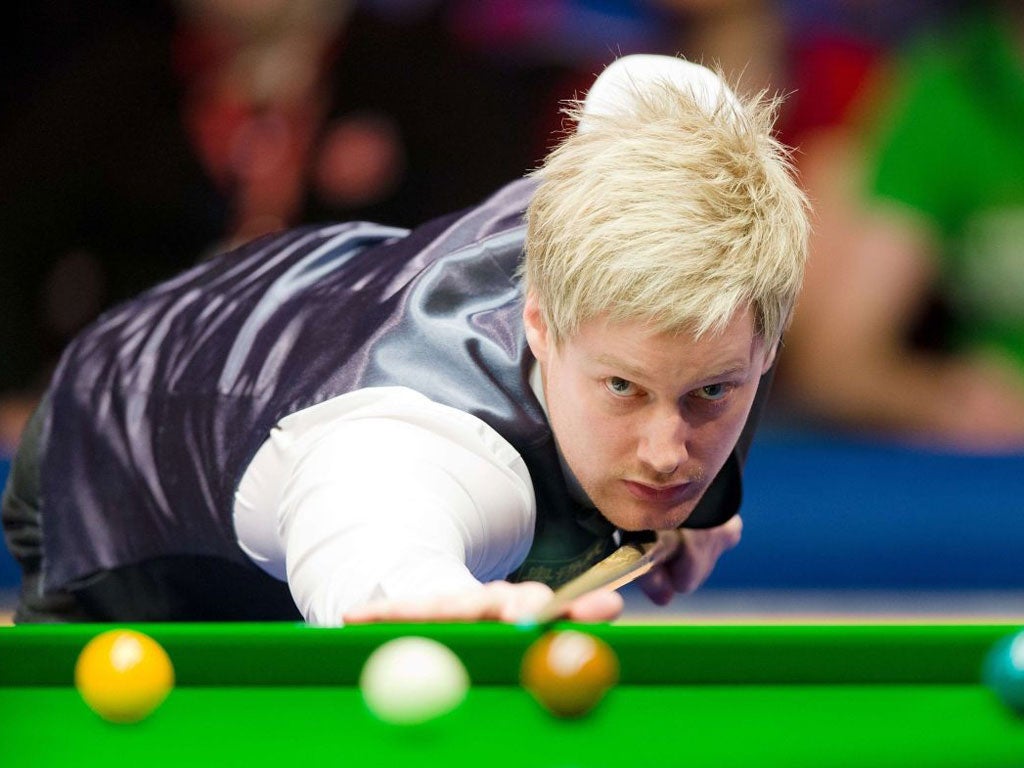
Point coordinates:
[[158, 408]]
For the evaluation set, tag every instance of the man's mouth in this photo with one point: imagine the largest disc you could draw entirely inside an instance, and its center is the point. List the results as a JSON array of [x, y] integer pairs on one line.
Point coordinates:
[[667, 495]]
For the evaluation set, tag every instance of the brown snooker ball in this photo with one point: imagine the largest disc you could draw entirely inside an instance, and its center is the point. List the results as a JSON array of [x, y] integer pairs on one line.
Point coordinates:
[[568, 672]]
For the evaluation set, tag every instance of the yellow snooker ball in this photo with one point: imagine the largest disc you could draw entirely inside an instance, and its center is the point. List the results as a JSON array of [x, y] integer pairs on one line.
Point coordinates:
[[123, 675]]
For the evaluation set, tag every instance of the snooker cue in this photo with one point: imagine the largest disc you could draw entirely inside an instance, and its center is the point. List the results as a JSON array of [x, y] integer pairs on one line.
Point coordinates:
[[630, 561]]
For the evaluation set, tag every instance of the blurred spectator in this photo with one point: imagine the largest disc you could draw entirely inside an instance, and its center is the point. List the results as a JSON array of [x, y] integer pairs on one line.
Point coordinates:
[[911, 321], [136, 137]]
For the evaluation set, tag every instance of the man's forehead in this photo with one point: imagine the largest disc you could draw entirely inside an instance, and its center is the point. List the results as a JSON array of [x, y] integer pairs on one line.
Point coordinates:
[[738, 330], [641, 346]]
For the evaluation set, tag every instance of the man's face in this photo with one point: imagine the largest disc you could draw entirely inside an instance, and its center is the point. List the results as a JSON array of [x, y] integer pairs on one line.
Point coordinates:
[[646, 419]]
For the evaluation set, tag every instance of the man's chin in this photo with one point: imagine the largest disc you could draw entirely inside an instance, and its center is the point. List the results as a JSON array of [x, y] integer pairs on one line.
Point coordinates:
[[639, 518]]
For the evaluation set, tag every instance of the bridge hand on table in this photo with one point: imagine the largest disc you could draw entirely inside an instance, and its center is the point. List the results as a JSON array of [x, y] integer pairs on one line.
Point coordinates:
[[494, 601]]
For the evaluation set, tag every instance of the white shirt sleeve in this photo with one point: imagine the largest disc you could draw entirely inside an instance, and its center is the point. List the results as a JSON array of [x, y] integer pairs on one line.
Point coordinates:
[[383, 493]]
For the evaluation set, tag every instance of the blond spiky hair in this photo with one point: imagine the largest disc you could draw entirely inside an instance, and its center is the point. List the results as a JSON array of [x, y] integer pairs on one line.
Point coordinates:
[[675, 207]]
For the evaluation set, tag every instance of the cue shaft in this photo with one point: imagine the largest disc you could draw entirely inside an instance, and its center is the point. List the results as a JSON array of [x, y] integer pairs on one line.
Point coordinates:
[[628, 562]]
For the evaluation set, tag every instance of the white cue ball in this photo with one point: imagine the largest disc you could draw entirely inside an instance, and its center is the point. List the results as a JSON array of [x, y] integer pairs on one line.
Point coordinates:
[[411, 680]]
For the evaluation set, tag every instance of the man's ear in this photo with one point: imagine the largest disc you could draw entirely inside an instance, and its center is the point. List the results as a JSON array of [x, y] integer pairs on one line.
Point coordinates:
[[536, 327]]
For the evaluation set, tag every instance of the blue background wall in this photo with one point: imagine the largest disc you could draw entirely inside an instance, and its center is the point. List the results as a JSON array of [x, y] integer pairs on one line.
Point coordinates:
[[829, 513]]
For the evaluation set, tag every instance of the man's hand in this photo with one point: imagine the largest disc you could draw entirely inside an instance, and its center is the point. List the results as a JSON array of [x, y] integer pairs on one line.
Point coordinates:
[[692, 563], [495, 601]]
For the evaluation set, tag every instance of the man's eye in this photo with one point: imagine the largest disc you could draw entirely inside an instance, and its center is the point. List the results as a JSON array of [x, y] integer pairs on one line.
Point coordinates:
[[712, 391], [619, 386]]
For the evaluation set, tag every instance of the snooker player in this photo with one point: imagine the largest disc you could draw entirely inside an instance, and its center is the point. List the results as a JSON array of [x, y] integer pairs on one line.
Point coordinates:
[[354, 423]]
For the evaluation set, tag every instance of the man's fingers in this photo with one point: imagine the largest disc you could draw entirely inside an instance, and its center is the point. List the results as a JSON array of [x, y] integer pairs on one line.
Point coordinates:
[[513, 602], [692, 563], [495, 601], [699, 552], [458, 607], [657, 585], [601, 605]]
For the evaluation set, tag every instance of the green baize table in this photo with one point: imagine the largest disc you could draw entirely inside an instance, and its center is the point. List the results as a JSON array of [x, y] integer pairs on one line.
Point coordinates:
[[730, 694]]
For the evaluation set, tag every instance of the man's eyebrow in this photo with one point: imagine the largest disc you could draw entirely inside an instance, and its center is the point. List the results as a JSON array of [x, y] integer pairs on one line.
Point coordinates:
[[731, 369], [621, 366], [726, 370]]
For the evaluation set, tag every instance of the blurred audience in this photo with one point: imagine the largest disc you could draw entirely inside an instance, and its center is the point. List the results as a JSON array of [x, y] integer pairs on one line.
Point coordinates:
[[911, 322], [136, 137]]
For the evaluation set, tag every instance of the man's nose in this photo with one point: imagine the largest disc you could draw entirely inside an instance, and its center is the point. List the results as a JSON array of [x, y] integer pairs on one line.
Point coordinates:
[[663, 444]]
